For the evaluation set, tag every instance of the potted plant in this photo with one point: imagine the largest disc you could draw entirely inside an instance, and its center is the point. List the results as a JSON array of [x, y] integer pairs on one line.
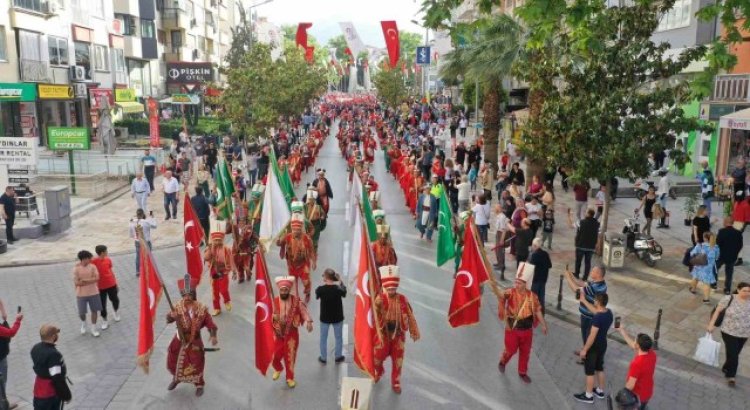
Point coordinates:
[[690, 206]]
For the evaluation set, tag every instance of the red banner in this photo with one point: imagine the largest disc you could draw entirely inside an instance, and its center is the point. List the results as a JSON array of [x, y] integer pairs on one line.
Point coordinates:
[[264, 333], [153, 122], [151, 290], [467, 295], [193, 236], [390, 32], [301, 38], [309, 54]]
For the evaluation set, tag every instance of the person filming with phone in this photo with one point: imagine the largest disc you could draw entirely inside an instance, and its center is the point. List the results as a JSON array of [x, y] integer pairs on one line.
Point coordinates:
[[6, 333], [640, 379], [146, 225]]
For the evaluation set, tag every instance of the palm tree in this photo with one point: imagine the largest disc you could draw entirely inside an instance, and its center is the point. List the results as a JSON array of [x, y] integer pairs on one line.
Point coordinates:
[[487, 58]]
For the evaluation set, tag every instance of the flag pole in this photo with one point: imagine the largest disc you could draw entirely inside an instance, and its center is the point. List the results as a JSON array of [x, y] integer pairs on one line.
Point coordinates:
[[493, 285]]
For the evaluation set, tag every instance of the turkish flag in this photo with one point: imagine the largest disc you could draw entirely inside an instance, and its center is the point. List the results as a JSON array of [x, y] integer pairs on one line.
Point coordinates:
[[366, 322], [301, 37], [264, 334], [390, 32], [309, 54], [151, 289], [467, 297], [193, 236]]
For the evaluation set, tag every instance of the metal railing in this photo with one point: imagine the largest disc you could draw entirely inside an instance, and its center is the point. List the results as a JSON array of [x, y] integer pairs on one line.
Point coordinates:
[[35, 70], [88, 186], [732, 87]]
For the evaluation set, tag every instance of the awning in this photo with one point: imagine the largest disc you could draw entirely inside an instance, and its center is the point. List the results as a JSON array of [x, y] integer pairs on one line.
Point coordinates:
[[194, 100], [130, 107], [739, 120]]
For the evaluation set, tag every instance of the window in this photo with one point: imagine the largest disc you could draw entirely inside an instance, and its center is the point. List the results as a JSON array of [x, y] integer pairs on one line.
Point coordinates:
[[83, 57], [58, 50], [679, 16], [176, 40], [97, 8], [101, 60], [118, 61], [3, 50], [147, 29], [128, 24], [35, 5]]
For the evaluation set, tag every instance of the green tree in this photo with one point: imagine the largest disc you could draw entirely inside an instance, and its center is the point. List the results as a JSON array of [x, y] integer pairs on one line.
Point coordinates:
[[260, 90], [242, 40], [390, 86], [616, 97], [486, 58]]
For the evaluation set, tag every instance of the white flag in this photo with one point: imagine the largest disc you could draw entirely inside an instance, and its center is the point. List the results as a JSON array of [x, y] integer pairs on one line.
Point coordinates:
[[354, 250], [352, 39], [275, 215], [354, 197]]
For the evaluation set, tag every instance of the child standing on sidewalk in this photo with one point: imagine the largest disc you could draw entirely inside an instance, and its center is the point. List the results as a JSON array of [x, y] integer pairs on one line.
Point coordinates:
[[107, 283], [548, 226]]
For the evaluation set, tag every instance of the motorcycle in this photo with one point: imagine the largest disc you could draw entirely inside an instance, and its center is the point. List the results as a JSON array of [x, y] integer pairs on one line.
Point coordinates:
[[644, 246]]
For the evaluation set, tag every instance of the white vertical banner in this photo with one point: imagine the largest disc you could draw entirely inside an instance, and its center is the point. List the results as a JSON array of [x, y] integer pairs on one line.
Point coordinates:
[[352, 38], [352, 79], [367, 84]]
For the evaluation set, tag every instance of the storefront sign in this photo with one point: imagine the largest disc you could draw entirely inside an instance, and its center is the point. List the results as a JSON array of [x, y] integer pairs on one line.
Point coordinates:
[[97, 95], [189, 73], [17, 92], [68, 138], [180, 99], [55, 92], [124, 94], [735, 124], [17, 151]]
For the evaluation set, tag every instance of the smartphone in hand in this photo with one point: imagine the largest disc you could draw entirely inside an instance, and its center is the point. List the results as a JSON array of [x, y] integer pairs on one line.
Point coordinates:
[[617, 322], [578, 294], [19, 309]]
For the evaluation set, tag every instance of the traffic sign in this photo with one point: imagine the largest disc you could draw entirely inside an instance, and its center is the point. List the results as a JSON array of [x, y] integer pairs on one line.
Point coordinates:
[[423, 55]]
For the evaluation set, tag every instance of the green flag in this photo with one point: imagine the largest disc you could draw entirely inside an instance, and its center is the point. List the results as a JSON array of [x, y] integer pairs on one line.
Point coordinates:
[[446, 245], [286, 189], [372, 231], [224, 189]]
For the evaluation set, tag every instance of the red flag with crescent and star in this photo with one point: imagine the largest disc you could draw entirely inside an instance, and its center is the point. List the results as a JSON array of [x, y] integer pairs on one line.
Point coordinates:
[[366, 321], [467, 296], [193, 236], [264, 333], [390, 32], [151, 289]]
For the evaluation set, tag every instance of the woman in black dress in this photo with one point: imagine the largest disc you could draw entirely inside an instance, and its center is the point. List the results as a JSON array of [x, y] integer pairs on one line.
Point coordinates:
[[701, 224], [647, 204]]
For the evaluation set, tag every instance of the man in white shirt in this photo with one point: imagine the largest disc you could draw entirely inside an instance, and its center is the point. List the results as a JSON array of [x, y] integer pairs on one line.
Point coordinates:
[[662, 193], [502, 234], [140, 190], [171, 187]]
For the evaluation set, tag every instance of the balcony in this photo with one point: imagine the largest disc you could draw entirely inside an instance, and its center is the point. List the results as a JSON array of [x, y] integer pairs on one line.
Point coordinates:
[[35, 71], [732, 88], [174, 19]]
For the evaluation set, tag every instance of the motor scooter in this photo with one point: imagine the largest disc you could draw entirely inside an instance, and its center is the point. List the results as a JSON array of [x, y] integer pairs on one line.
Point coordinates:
[[642, 245]]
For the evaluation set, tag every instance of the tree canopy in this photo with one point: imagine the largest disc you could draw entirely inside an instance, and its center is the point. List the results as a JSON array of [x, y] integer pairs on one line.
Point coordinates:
[[260, 89], [390, 86]]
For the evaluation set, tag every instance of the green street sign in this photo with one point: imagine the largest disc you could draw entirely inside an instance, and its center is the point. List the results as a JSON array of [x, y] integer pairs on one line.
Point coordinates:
[[68, 138]]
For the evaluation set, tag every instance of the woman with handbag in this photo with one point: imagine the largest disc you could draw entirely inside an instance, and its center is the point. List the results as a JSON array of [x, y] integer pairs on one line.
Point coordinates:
[[703, 258], [732, 316]]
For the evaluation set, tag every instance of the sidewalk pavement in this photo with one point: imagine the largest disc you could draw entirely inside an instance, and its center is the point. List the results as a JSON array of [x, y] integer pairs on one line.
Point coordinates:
[[106, 223], [636, 291]]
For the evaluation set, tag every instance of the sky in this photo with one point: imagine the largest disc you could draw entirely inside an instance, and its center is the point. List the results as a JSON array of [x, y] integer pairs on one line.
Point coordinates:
[[326, 14]]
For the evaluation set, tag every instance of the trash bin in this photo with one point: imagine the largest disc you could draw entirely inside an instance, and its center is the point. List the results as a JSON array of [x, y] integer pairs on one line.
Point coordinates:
[[614, 250]]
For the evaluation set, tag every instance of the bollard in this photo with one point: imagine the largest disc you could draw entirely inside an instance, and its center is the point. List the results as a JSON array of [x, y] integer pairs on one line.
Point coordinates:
[[656, 332], [559, 294]]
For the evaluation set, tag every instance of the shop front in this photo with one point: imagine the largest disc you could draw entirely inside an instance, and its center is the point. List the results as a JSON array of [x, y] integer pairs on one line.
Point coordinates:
[[59, 108], [126, 105], [18, 115], [734, 141]]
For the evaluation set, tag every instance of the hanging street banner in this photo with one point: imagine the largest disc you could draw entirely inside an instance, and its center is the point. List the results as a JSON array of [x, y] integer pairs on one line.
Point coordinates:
[[17, 151], [423, 55], [68, 138]]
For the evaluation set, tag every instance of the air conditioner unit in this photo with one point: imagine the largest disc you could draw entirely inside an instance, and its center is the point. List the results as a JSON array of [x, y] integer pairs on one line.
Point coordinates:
[[195, 54], [77, 73], [51, 7], [193, 23]]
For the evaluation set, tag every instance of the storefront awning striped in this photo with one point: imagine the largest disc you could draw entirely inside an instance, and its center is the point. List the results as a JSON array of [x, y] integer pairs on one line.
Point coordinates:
[[130, 107]]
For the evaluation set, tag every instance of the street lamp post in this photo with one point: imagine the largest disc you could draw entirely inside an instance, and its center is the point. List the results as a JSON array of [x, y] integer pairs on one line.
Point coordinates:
[[425, 77]]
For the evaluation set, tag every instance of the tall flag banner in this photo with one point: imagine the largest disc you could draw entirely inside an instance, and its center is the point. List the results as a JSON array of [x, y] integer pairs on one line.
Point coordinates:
[[151, 290], [301, 37], [309, 54], [392, 42], [372, 230], [264, 333], [466, 298], [287, 186], [352, 38], [354, 198], [224, 190], [446, 244], [276, 214], [365, 318], [193, 236]]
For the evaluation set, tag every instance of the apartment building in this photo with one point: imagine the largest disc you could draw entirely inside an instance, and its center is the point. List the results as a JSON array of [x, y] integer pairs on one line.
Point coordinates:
[[60, 58]]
